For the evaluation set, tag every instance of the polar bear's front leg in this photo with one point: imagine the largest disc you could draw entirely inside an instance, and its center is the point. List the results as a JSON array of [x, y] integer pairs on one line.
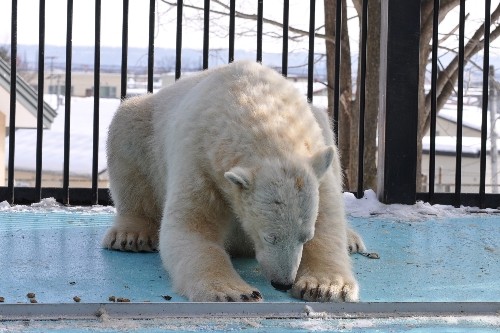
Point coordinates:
[[325, 275], [325, 272], [199, 266]]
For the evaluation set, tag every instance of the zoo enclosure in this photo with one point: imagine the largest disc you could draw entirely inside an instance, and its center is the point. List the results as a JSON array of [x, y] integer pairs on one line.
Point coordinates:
[[399, 101]]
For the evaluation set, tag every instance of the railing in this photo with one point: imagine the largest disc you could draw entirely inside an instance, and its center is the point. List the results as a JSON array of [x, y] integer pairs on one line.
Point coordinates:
[[480, 199], [399, 100]]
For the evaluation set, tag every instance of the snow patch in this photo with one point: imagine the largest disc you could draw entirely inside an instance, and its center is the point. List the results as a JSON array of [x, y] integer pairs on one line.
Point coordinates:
[[369, 206], [366, 207], [50, 205]]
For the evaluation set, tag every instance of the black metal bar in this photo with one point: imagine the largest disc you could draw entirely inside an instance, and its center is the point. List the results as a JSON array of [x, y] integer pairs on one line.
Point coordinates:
[[284, 54], [124, 65], [432, 149], [336, 88], [97, 73], [460, 103], [67, 100], [151, 44], [484, 120], [232, 19], [362, 88], [310, 60], [260, 20], [206, 29], [178, 40], [398, 119], [41, 83], [13, 98]]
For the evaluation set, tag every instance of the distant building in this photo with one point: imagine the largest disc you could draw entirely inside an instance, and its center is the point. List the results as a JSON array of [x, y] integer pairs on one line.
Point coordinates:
[[26, 110], [82, 83], [446, 130]]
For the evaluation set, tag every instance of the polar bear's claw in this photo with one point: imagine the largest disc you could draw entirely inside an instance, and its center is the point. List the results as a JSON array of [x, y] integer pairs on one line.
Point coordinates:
[[129, 241], [131, 234], [228, 294], [335, 289], [254, 296]]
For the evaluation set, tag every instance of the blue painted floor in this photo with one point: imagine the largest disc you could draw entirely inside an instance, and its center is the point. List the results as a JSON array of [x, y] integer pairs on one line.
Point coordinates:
[[57, 256]]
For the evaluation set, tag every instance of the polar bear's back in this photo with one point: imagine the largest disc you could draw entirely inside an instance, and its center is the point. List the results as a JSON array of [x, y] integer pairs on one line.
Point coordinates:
[[236, 111]]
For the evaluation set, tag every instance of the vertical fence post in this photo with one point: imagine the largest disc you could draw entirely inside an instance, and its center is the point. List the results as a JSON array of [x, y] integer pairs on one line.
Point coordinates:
[[124, 66], [398, 121], [151, 45], [178, 40], [97, 94], [39, 116], [67, 100], [13, 99], [493, 96]]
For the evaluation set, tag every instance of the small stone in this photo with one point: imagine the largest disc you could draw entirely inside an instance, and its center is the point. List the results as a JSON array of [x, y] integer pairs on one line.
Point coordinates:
[[112, 298], [122, 300], [2, 299], [32, 300], [31, 295], [167, 297], [77, 299], [371, 255]]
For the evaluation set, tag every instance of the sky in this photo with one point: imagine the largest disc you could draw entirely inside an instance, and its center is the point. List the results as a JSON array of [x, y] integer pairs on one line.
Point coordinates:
[[165, 28], [165, 31]]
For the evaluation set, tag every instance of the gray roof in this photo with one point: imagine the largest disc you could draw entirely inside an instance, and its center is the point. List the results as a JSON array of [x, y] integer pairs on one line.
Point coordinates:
[[26, 95]]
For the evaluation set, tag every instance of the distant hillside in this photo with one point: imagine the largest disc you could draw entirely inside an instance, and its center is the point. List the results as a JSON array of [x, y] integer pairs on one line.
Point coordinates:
[[83, 59]]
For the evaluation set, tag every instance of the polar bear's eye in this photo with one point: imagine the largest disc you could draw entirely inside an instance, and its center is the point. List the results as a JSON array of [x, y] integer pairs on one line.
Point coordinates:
[[271, 239], [279, 203]]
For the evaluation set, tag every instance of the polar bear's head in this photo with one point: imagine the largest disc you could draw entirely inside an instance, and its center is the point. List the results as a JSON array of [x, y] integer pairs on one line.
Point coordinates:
[[277, 205]]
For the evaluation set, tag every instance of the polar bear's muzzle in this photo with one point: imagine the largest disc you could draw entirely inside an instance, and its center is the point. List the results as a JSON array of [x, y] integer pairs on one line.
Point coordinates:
[[281, 287], [280, 265]]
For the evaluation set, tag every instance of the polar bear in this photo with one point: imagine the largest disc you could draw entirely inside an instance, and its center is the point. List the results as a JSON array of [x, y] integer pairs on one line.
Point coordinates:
[[232, 161]]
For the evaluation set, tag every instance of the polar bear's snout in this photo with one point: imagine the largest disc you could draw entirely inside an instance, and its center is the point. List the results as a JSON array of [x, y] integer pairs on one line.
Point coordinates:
[[281, 286], [280, 266]]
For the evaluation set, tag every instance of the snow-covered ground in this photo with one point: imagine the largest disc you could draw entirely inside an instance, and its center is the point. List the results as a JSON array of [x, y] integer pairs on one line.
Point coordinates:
[[369, 206], [366, 207], [81, 138]]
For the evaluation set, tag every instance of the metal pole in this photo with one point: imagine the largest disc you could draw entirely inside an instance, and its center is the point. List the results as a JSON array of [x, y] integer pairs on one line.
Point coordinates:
[[398, 119], [493, 134]]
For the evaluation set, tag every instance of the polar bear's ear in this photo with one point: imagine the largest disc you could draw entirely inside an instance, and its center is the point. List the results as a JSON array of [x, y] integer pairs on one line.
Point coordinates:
[[239, 176], [321, 161]]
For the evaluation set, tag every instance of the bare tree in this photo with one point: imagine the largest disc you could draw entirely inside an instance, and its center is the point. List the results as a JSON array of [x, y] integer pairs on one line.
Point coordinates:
[[349, 115], [349, 108]]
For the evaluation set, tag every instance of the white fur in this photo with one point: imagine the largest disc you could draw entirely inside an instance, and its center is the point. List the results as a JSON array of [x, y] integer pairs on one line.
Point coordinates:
[[232, 161]]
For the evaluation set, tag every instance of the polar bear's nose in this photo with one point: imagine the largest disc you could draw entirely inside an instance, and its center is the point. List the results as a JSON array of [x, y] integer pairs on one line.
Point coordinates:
[[281, 286]]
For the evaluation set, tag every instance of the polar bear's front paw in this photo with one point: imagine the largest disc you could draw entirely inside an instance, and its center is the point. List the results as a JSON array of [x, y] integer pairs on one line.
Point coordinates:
[[123, 240], [220, 292], [327, 288]]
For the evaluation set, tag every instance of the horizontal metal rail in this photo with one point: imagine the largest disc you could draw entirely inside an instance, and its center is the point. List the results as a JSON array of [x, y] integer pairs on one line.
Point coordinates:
[[245, 310]]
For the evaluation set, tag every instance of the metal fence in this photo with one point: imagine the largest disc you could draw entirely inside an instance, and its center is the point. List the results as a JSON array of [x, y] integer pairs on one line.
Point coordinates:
[[399, 101], [481, 199]]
